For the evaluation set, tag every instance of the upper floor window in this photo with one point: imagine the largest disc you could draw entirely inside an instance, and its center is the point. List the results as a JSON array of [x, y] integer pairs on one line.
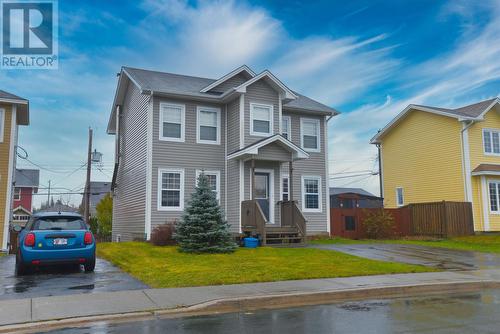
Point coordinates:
[[213, 180], [309, 133], [171, 189], [17, 194], [208, 131], [261, 119], [172, 122], [286, 127], [2, 122], [400, 200], [311, 194], [491, 141]]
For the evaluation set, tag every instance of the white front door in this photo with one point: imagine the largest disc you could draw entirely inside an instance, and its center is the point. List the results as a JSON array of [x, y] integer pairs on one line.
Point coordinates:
[[264, 192]]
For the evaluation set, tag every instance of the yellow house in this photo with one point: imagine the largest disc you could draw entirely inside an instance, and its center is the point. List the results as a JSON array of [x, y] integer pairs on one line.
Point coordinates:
[[14, 111], [431, 154]]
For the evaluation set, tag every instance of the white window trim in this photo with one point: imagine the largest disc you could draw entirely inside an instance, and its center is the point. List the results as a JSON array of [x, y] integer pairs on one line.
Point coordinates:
[[397, 197], [484, 149], [284, 176], [181, 196], [271, 120], [211, 172], [2, 124], [212, 109], [288, 130], [17, 198], [320, 195], [497, 183], [302, 120], [183, 122]]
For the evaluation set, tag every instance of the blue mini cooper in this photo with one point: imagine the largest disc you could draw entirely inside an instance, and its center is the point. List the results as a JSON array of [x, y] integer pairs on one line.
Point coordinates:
[[52, 238]]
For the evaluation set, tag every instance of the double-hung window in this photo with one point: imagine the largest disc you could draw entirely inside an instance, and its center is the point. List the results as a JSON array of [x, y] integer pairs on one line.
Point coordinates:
[[261, 119], [494, 190], [208, 131], [285, 127], [17, 194], [171, 189], [285, 188], [213, 179], [311, 194], [172, 122], [309, 133], [400, 199], [491, 141]]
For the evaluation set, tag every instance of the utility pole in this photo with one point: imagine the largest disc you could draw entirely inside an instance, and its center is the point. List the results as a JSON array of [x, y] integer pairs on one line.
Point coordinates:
[[87, 184], [48, 196]]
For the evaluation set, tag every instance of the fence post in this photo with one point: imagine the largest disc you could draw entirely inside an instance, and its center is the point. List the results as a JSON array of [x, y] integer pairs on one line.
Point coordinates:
[[444, 229]]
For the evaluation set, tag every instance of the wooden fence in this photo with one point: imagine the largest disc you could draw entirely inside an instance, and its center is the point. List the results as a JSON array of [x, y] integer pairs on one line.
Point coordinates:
[[439, 219]]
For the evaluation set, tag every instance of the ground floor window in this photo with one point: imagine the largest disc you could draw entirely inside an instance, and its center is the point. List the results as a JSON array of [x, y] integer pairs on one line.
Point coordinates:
[[311, 194], [285, 189], [494, 196], [171, 189], [213, 179]]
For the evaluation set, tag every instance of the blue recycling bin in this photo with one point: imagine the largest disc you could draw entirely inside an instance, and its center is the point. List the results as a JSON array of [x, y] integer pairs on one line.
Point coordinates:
[[251, 242]]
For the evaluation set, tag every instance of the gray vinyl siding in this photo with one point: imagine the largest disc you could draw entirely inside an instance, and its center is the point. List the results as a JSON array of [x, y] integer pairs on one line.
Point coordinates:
[[233, 195], [314, 166], [233, 125], [274, 152], [260, 92], [189, 156], [129, 201], [235, 81]]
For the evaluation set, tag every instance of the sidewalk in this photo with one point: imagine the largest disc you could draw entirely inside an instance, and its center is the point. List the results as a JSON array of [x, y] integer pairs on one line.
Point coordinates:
[[239, 297]]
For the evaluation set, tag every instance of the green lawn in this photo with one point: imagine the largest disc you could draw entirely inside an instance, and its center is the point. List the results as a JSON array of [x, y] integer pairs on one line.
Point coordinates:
[[479, 243], [165, 267]]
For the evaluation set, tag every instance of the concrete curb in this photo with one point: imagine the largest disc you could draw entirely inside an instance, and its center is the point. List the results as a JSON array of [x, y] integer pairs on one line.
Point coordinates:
[[282, 300]]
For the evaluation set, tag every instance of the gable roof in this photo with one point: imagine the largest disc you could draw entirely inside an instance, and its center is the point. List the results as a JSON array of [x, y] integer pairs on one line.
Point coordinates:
[[253, 149], [472, 112], [185, 86], [21, 208], [23, 117], [29, 178], [228, 76], [359, 191]]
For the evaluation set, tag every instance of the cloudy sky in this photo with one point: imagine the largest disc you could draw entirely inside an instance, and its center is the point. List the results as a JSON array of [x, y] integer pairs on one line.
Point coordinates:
[[366, 58]]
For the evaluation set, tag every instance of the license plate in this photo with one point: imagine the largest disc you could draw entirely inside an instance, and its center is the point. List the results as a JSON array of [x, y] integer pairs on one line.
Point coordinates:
[[60, 241]]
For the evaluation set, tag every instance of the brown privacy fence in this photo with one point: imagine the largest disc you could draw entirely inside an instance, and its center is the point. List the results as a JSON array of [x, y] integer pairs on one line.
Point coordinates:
[[439, 219]]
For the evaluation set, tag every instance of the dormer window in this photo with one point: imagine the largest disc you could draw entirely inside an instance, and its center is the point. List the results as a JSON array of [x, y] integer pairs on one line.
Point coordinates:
[[261, 119]]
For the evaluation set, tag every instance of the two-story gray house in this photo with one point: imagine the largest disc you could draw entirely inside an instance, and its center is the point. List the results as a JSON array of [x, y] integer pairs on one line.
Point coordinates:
[[263, 146]]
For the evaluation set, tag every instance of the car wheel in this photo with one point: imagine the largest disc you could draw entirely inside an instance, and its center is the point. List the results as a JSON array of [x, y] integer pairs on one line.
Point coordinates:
[[90, 265], [20, 267]]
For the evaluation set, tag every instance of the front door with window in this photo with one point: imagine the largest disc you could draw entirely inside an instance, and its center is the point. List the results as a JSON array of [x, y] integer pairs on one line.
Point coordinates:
[[262, 193]]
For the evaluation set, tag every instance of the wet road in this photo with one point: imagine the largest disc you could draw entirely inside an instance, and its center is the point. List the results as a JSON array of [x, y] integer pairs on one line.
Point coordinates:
[[63, 280], [464, 313], [446, 259]]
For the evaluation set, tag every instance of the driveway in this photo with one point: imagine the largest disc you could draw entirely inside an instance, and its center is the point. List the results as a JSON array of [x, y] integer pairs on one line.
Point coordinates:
[[441, 258], [63, 280]]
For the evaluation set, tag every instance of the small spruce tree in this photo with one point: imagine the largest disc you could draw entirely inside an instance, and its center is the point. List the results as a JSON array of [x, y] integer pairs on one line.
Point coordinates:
[[203, 228]]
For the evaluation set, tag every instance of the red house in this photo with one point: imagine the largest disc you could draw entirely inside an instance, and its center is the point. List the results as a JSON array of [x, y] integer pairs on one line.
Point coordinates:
[[26, 184]]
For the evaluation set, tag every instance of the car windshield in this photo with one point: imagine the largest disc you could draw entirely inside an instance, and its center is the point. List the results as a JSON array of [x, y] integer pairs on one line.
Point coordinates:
[[59, 223]]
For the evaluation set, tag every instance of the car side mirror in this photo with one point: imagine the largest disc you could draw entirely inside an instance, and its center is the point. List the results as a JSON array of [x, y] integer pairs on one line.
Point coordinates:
[[17, 228]]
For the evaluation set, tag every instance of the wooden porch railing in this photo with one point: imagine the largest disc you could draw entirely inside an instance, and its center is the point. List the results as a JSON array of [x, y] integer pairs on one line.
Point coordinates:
[[291, 216], [253, 219]]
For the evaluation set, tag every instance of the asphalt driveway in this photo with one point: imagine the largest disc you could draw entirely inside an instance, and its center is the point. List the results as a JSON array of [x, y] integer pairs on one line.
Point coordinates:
[[446, 259], [63, 280]]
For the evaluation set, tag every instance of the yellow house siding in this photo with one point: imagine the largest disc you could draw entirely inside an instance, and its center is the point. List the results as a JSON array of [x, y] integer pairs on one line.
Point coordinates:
[[4, 166], [477, 157], [423, 155]]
